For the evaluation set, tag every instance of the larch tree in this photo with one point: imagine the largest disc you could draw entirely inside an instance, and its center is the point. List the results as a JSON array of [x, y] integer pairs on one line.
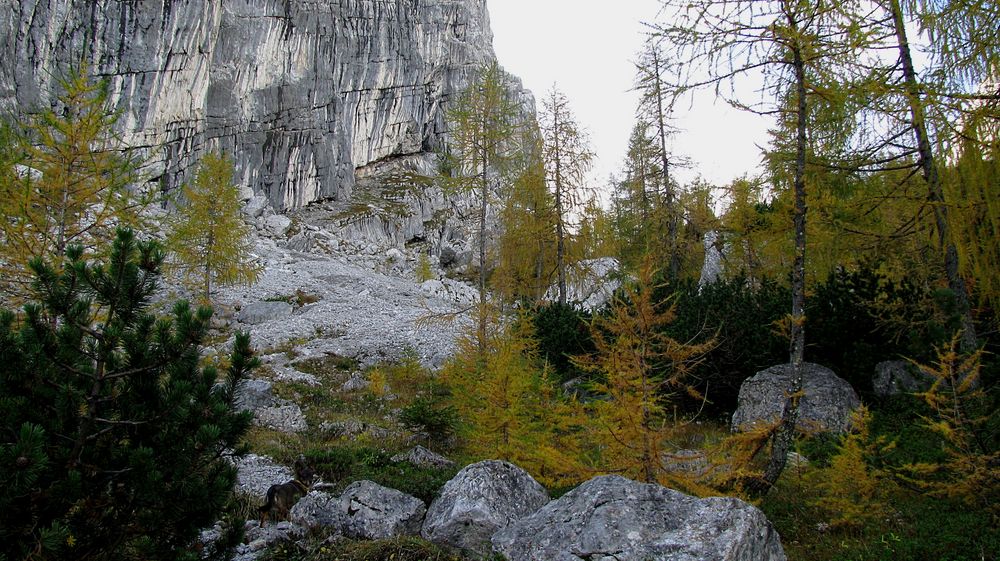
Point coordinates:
[[637, 209], [655, 105], [483, 123], [526, 248], [567, 161], [65, 181], [932, 105], [717, 43], [509, 405], [209, 237], [639, 368]]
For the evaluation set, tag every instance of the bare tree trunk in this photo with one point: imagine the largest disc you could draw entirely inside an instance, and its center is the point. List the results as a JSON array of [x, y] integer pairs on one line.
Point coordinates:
[[935, 191], [784, 435]]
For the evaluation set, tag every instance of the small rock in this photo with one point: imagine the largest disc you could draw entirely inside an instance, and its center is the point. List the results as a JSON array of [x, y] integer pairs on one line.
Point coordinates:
[[255, 206], [447, 257], [255, 475], [302, 242], [317, 510], [277, 224], [355, 383], [394, 255], [284, 418], [693, 463], [894, 377], [420, 456], [252, 394]]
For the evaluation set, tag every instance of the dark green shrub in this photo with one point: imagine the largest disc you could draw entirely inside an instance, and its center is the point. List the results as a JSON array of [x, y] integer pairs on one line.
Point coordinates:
[[430, 416], [740, 318], [562, 331], [859, 318], [405, 548], [112, 436]]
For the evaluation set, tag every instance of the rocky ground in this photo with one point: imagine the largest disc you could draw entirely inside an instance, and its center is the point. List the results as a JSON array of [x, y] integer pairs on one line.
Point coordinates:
[[323, 294]]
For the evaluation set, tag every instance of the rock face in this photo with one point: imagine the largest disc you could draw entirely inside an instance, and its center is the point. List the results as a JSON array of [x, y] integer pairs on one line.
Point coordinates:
[[825, 406], [478, 501], [304, 95], [893, 377], [611, 518]]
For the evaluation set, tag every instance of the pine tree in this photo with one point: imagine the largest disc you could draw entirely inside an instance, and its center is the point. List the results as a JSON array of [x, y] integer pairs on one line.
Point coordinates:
[[71, 181], [527, 240], [112, 438], [209, 236]]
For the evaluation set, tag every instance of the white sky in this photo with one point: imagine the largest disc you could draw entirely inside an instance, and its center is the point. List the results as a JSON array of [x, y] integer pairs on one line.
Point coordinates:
[[587, 47]]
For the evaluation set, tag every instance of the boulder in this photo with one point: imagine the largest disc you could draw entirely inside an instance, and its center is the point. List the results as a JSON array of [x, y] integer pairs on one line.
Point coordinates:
[[826, 404], [355, 383], [284, 418], [610, 518], [317, 510], [277, 224], [420, 456], [261, 312], [893, 377], [253, 394], [373, 512], [481, 499], [255, 474]]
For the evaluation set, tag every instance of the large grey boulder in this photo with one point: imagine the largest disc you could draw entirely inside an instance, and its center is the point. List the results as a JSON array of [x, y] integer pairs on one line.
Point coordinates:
[[317, 510], [826, 404], [893, 377], [478, 501], [610, 518], [373, 512], [285, 417]]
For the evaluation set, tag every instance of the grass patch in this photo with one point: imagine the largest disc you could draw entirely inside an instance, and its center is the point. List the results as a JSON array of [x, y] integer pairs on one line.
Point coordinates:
[[317, 548], [920, 528], [326, 366], [344, 464]]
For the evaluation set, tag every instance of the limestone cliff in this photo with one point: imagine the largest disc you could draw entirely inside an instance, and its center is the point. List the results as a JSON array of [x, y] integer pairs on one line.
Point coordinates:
[[302, 93]]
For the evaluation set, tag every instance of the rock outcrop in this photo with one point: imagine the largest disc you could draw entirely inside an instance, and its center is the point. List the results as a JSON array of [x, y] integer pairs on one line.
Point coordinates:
[[306, 96], [826, 404], [478, 501], [613, 518]]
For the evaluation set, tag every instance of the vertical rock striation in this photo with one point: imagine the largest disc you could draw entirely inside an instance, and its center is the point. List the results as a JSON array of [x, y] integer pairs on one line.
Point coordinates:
[[302, 93]]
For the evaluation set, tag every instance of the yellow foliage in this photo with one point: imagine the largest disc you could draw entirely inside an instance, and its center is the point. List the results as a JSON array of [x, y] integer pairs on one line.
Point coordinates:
[[378, 382], [854, 493], [509, 405], [640, 368], [63, 181], [972, 470]]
